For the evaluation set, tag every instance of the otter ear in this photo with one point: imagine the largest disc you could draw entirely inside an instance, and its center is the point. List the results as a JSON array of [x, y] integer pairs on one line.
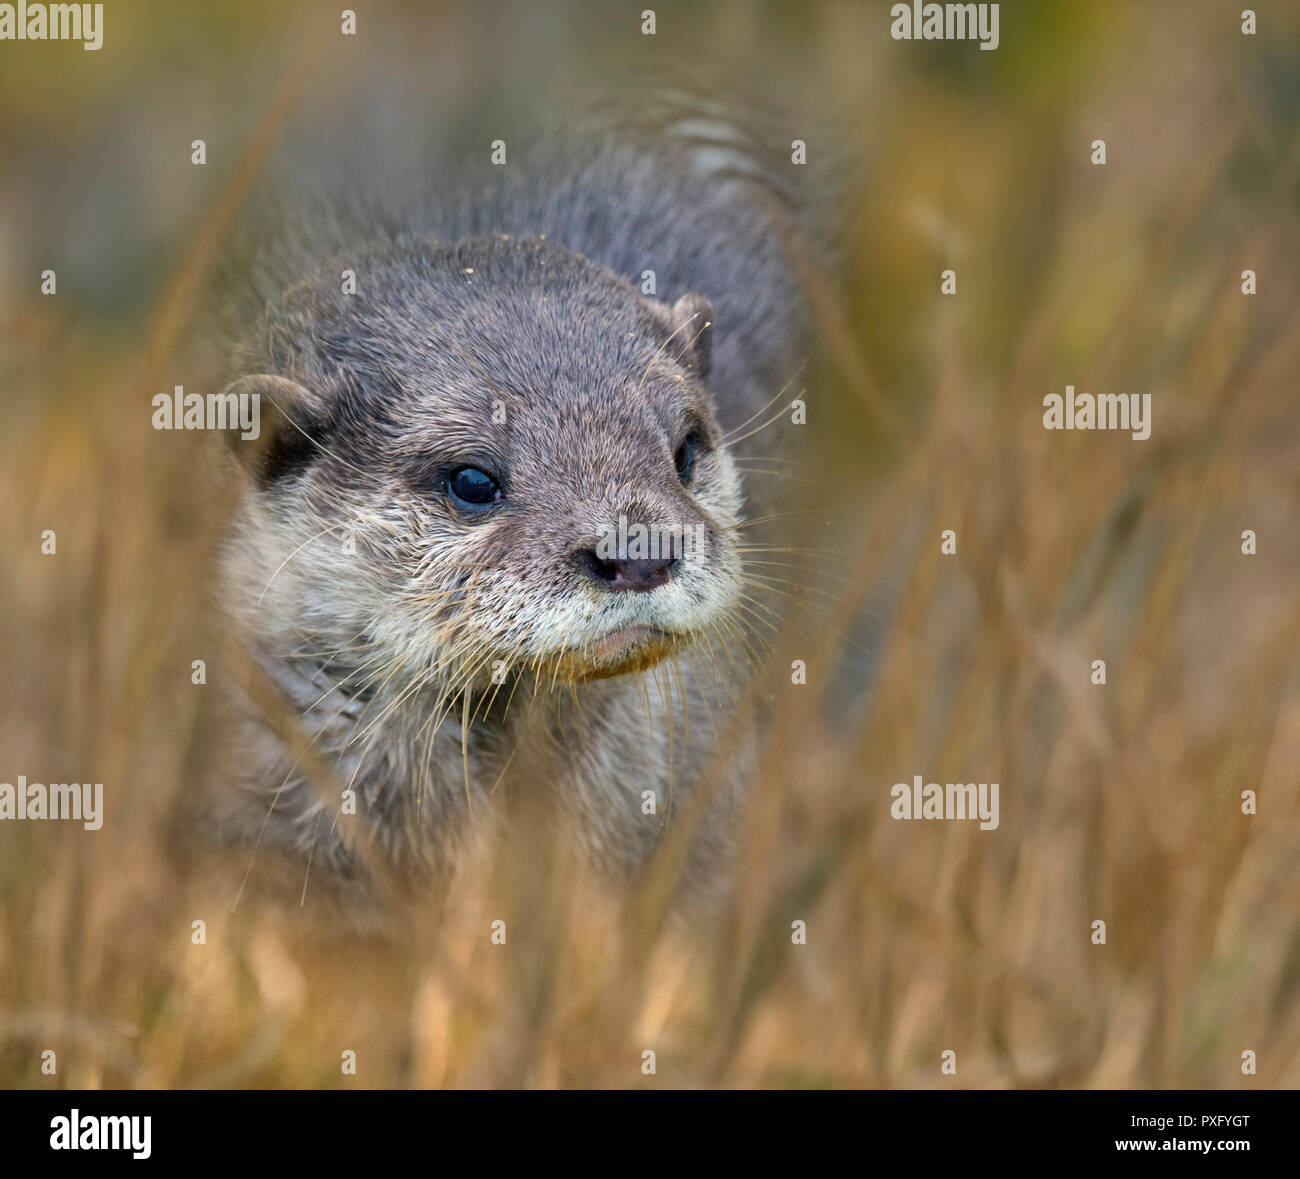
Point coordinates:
[[288, 421], [692, 322]]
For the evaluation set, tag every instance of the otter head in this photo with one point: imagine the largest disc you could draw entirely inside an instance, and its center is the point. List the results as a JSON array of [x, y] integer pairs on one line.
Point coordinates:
[[494, 458]]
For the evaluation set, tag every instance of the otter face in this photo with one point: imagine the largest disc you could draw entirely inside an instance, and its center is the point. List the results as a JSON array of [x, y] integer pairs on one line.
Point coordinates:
[[500, 458]]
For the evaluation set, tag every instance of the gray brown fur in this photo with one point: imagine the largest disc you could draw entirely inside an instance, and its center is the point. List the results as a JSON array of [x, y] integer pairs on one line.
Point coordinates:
[[514, 290]]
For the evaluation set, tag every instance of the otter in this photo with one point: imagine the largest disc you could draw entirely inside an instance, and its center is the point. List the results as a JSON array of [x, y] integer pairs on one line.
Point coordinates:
[[420, 562]]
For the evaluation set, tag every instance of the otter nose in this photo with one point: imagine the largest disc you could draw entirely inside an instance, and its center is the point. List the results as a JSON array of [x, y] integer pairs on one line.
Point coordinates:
[[639, 574]]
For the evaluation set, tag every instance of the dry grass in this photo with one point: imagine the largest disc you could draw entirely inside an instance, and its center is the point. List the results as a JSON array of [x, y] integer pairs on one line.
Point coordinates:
[[1120, 803]]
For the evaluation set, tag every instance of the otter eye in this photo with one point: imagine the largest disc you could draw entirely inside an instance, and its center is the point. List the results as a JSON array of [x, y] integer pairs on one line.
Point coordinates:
[[473, 488], [684, 459]]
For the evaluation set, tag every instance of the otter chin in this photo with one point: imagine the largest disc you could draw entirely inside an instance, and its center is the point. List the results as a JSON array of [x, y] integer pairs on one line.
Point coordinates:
[[623, 651]]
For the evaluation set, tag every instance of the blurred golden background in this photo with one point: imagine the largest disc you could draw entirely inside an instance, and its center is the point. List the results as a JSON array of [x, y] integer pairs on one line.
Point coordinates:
[[1120, 803]]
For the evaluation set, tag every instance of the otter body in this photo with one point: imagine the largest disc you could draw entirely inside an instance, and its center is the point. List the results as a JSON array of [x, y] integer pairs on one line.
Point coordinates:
[[421, 564]]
